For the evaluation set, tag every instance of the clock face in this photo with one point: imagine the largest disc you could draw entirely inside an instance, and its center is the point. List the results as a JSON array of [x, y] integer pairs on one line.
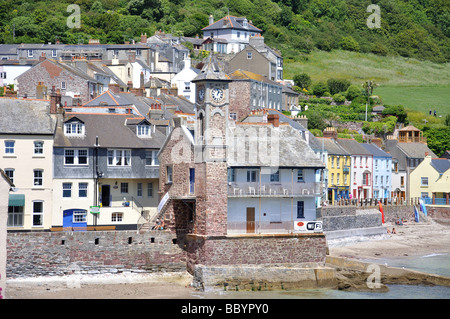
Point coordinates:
[[217, 94], [201, 94]]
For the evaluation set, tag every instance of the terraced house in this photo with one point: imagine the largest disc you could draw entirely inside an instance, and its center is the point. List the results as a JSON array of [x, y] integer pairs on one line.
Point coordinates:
[[26, 143], [105, 171]]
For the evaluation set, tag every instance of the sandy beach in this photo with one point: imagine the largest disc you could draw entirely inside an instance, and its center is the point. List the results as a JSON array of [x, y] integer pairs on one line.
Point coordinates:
[[410, 239]]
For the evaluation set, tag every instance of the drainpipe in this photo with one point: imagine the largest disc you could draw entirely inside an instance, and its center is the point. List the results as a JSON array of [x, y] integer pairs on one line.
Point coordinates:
[[96, 177]]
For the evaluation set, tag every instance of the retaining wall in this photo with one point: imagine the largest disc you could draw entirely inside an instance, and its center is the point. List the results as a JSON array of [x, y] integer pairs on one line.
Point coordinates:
[[59, 253]]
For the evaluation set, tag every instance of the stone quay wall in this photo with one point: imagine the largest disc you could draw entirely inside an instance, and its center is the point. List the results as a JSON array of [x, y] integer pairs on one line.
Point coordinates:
[[255, 249], [351, 217], [58, 253]]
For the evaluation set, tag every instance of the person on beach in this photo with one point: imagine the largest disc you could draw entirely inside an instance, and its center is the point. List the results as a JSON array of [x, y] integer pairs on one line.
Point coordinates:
[[394, 231]]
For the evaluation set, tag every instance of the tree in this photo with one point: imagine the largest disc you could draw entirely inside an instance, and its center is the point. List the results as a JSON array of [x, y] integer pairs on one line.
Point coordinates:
[[396, 110], [438, 139], [302, 80]]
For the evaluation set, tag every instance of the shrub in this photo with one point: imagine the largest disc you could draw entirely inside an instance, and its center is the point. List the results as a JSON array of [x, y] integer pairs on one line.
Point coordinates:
[[349, 44], [338, 85], [353, 92], [320, 88], [339, 98]]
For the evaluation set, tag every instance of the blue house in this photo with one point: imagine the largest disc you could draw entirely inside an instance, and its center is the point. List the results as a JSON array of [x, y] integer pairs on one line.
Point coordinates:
[[382, 171]]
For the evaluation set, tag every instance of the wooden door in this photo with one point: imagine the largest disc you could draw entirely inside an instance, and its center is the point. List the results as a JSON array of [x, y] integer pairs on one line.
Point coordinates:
[[250, 219]]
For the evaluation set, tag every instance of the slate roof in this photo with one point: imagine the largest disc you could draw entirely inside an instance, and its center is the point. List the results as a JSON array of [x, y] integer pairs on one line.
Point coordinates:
[[440, 164], [332, 147], [293, 150], [244, 75], [211, 71], [415, 150], [353, 147], [19, 116], [375, 150], [113, 130], [234, 23]]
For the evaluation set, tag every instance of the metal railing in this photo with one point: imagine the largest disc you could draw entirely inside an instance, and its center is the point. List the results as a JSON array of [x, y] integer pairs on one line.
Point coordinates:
[[384, 201], [246, 189]]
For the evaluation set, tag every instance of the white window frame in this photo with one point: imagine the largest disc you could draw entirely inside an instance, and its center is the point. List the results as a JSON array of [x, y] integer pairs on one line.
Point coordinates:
[[124, 188], [424, 181], [63, 85], [76, 156], [74, 129], [38, 149], [117, 217], [151, 158], [30, 53], [10, 173], [54, 53], [150, 189], [300, 175], [10, 150], [143, 130], [67, 187], [139, 191], [79, 216], [35, 213], [119, 157], [38, 178], [82, 187]]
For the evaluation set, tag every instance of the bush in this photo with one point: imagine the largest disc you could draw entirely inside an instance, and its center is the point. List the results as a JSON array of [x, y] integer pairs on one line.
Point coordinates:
[[353, 92], [302, 80], [320, 88], [339, 98], [349, 44], [338, 85]]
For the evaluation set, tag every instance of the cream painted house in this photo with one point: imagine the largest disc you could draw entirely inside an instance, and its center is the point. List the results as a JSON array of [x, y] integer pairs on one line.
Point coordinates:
[[431, 180], [26, 146], [5, 186]]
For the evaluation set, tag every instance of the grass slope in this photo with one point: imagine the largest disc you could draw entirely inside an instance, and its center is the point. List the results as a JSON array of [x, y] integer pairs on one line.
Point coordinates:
[[418, 85]]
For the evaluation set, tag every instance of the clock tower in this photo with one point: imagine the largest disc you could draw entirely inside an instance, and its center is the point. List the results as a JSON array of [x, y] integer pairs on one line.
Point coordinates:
[[212, 110], [211, 124]]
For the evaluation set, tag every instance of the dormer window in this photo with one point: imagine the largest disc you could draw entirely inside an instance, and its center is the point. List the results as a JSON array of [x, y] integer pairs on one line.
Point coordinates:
[[143, 130], [74, 129]]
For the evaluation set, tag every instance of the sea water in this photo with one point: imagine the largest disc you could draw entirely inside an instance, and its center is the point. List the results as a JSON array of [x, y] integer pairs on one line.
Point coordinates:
[[438, 264]]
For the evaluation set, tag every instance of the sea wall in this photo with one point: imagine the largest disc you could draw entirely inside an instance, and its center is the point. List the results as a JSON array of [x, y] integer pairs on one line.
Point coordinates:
[[59, 253]]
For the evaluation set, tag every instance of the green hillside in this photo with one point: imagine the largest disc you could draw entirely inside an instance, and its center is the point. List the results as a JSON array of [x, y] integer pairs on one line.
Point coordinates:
[[409, 28]]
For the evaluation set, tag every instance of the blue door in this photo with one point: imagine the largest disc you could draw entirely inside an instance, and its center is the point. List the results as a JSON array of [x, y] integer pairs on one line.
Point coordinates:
[[74, 218]]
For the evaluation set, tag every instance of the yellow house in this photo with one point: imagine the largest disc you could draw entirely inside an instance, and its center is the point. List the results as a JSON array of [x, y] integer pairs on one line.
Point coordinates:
[[431, 180], [338, 166]]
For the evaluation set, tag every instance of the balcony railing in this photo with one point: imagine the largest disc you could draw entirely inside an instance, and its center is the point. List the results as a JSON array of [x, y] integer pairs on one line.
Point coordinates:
[[411, 139], [273, 189]]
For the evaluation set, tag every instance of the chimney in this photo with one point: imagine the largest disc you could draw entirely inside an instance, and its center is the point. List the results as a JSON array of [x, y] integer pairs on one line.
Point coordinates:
[[426, 154], [274, 119], [42, 57], [55, 101], [131, 56], [142, 80], [144, 38], [211, 19], [115, 88], [330, 132], [130, 85]]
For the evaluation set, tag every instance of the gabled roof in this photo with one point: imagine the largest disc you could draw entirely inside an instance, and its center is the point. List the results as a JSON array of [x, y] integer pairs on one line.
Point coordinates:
[[415, 150], [232, 22], [211, 71], [440, 164]]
